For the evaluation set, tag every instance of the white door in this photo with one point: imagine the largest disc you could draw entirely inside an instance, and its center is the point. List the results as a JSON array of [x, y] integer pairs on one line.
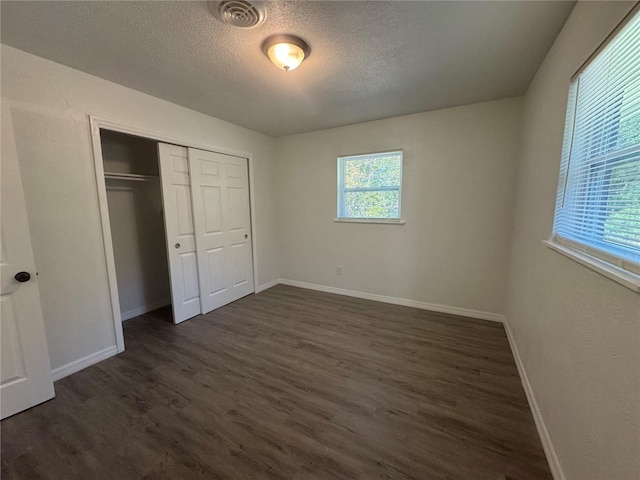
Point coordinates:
[[24, 369], [178, 221], [220, 193]]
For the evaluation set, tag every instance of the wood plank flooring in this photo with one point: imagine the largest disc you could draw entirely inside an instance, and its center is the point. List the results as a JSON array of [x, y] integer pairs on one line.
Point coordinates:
[[288, 384]]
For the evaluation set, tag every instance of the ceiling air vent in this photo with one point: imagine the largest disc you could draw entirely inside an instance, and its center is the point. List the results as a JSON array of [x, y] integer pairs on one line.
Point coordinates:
[[239, 13]]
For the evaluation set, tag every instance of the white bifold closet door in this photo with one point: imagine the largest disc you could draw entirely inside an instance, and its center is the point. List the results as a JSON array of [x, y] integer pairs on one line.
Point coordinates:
[[221, 215], [208, 226], [178, 223]]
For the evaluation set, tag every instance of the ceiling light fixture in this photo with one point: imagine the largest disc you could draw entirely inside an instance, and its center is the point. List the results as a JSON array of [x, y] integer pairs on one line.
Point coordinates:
[[286, 51]]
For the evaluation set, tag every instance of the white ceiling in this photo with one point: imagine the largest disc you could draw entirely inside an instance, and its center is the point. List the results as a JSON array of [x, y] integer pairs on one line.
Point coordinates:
[[369, 60]]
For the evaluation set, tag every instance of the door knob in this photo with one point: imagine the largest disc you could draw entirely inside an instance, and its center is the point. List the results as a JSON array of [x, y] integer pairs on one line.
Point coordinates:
[[22, 277], [246, 235], [177, 245]]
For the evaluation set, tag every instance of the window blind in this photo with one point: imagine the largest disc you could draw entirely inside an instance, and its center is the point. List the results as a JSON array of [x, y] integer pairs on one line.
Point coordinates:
[[598, 201]]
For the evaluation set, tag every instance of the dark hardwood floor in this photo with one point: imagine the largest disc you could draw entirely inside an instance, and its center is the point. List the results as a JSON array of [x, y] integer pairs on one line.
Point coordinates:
[[288, 384]]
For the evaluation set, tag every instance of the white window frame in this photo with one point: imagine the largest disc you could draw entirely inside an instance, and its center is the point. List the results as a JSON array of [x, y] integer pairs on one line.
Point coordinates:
[[593, 255], [341, 190]]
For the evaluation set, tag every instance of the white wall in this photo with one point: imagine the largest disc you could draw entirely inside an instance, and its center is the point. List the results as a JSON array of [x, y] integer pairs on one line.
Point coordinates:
[[578, 333], [50, 104], [458, 176]]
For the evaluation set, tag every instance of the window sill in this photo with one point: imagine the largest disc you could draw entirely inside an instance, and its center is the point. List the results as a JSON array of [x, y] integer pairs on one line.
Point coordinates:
[[386, 221], [617, 274]]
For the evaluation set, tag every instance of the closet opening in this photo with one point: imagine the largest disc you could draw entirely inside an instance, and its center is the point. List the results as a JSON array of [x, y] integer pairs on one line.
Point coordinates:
[[136, 220], [177, 224]]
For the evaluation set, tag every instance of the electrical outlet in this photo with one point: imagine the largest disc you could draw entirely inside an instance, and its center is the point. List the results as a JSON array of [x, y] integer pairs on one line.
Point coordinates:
[[338, 271]]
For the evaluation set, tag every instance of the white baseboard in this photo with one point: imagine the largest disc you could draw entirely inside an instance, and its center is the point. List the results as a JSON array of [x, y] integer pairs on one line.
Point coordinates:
[[266, 286], [545, 438], [434, 307], [145, 309], [77, 365]]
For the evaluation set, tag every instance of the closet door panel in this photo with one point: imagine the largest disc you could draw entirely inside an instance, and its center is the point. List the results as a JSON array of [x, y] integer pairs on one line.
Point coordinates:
[[190, 288], [182, 195], [237, 208], [215, 263], [178, 219], [236, 178], [209, 204], [220, 192], [212, 201], [238, 264]]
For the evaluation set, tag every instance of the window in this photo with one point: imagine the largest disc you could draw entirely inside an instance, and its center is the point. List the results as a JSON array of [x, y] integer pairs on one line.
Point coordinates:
[[370, 186], [598, 201]]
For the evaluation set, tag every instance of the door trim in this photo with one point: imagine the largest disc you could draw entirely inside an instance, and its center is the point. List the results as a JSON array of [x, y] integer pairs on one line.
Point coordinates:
[[97, 123]]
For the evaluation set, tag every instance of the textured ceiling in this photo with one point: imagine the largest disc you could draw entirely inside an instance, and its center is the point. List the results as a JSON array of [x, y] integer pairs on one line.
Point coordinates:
[[369, 60]]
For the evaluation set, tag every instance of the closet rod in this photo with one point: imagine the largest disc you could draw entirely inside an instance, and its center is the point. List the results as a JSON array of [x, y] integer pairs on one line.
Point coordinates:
[[131, 176]]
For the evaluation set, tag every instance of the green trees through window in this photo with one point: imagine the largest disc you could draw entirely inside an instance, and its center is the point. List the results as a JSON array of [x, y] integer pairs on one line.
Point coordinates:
[[622, 221], [369, 186]]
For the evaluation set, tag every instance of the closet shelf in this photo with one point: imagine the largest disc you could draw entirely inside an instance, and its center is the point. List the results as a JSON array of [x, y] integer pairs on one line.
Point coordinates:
[[131, 176]]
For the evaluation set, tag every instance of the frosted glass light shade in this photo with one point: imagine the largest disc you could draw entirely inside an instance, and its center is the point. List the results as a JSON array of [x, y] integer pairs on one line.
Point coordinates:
[[286, 51], [285, 56]]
